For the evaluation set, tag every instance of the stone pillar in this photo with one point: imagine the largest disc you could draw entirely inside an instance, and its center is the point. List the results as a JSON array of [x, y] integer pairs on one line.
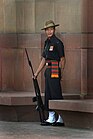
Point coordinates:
[[83, 73]]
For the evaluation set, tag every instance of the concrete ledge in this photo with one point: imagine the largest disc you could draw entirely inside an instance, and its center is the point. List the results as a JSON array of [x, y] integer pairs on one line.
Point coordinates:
[[72, 105], [16, 98], [25, 98]]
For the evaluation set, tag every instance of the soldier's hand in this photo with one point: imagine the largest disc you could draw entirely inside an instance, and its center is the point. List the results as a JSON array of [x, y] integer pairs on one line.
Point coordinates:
[[35, 76]]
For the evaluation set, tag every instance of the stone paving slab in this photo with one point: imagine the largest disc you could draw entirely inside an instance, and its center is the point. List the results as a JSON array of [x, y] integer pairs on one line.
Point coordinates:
[[33, 130]]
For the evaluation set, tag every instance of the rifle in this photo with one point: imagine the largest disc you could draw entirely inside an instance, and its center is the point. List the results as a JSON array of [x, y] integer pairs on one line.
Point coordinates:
[[40, 106]]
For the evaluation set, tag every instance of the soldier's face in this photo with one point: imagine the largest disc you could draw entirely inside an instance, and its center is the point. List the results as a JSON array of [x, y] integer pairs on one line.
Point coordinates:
[[50, 31]]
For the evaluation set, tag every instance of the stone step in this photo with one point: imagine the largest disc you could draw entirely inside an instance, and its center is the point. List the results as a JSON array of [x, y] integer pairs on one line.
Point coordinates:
[[85, 105], [25, 98], [17, 98]]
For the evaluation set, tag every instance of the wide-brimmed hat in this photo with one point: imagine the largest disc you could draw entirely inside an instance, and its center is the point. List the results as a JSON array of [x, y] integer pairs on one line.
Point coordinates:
[[48, 24]]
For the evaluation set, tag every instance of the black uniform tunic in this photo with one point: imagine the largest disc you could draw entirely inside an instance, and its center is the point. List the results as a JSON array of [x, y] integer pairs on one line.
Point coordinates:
[[53, 50]]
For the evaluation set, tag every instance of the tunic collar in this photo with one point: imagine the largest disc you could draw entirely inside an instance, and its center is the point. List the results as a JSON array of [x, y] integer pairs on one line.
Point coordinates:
[[51, 38]]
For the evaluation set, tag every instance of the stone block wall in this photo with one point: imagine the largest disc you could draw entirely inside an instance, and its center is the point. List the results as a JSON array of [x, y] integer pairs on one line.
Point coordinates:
[[20, 26], [15, 72], [29, 16]]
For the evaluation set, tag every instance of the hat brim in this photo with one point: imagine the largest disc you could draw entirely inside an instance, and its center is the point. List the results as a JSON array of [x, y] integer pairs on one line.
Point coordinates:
[[50, 26]]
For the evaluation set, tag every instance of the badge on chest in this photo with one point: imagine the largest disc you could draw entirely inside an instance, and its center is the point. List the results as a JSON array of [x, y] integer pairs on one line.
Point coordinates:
[[51, 48]]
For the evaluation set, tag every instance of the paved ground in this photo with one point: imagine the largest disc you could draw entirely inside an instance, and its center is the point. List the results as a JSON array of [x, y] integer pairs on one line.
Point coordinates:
[[32, 130]]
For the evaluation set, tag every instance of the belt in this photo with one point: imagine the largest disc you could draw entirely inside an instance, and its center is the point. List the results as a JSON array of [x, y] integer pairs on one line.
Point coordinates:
[[48, 64], [54, 65], [52, 62]]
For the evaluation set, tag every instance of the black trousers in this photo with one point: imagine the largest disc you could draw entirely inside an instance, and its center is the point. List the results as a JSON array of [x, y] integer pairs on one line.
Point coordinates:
[[53, 90]]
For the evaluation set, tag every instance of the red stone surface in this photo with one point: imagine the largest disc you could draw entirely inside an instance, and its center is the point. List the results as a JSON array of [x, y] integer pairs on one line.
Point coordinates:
[[15, 73]]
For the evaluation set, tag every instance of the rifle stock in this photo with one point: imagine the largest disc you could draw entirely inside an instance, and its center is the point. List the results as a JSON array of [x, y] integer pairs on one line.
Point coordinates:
[[38, 98]]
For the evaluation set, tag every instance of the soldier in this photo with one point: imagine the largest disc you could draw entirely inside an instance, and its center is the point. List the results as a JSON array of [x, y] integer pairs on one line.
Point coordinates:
[[53, 58]]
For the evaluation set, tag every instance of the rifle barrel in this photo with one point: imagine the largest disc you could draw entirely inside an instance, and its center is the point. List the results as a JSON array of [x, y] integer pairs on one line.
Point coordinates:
[[29, 62]]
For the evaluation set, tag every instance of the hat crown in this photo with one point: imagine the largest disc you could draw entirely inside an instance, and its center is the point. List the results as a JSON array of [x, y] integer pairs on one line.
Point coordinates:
[[49, 23]]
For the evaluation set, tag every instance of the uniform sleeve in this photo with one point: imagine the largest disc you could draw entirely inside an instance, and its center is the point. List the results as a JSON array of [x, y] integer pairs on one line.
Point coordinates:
[[43, 53], [61, 49]]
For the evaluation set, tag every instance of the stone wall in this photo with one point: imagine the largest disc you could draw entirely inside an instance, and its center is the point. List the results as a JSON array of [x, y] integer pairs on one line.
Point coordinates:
[[28, 16], [20, 26]]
